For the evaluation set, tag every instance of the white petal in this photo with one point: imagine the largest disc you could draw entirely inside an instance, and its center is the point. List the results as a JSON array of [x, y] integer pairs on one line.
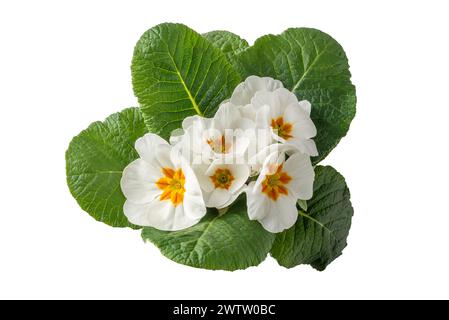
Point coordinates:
[[163, 155], [241, 95], [248, 112], [233, 197], [197, 121], [244, 124], [264, 98], [176, 157], [282, 215], [278, 101], [246, 90], [263, 117], [183, 147], [193, 196], [257, 203], [310, 147], [285, 97], [300, 168], [146, 145], [188, 121], [271, 84], [214, 166], [188, 214], [260, 140], [226, 116], [303, 128], [196, 134], [294, 113], [138, 181], [203, 178], [241, 174], [239, 146], [194, 206], [147, 215], [195, 140], [264, 138], [217, 198], [306, 106], [176, 136], [248, 133], [306, 146], [158, 214], [277, 138]]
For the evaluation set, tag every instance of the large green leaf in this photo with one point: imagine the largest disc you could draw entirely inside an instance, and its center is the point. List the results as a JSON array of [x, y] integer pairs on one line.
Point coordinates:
[[178, 73], [227, 242], [319, 235], [229, 43], [95, 160], [314, 66]]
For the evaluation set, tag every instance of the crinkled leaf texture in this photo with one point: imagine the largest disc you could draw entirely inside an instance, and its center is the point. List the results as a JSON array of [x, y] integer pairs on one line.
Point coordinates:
[[314, 66], [319, 235], [177, 73], [227, 242], [95, 160], [229, 43]]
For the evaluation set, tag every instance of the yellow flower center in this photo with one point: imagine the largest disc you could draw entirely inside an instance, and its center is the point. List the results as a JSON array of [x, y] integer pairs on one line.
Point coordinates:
[[274, 184], [222, 178], [219, 145], [172, 185], [283, 129]]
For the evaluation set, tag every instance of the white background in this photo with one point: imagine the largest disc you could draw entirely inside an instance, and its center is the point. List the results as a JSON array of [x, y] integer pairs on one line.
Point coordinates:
[[65, 64]]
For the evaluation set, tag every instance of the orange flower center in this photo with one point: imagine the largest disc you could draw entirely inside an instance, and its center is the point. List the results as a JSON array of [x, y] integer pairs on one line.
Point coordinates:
[[172, 185], [283, 129], [274, 184], [219, 145], [222, 178]]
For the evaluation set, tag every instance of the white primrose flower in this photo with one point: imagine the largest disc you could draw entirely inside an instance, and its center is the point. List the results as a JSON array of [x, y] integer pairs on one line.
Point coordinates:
[[288, 119], [273, 196], [160, 187], [221, 183], [222, 137]]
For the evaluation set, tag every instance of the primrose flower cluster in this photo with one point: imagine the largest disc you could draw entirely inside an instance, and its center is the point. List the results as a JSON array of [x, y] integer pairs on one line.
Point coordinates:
[[259, 142]]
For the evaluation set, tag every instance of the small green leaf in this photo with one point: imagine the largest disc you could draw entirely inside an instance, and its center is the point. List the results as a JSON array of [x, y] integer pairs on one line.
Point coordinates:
[[95, 160], [302, 204], [314, 66], [319, 235], [219, 242], [229, 43], [177, 73]]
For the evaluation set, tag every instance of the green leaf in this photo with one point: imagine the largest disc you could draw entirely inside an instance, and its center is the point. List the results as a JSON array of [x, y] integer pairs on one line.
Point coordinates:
[[229, 43], [314, 66], [177, 73], [219, 242], [319, 235], [302, 204], [95, 160]]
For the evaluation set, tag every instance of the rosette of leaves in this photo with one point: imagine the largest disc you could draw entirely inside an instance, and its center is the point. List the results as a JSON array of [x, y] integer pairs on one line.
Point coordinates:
[[177, 72]]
